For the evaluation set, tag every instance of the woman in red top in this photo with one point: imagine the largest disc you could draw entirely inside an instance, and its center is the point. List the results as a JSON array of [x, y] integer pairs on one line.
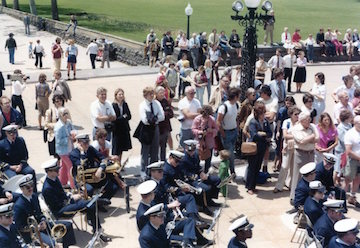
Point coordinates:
[[296, 39], [57, 52]]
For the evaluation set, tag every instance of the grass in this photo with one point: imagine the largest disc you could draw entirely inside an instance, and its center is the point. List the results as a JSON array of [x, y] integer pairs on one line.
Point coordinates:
[[133, 18]]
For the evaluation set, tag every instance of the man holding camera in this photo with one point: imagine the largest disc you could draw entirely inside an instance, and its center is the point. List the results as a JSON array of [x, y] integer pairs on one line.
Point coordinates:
[[18, 85]]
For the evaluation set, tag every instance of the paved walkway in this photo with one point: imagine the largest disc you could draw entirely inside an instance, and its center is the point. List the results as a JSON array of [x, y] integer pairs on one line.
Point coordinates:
[[273, 228]]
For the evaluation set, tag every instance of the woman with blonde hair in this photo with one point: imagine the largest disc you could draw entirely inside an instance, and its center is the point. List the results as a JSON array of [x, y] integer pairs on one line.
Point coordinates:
[[42, 93], [121, 140], [71, 54]]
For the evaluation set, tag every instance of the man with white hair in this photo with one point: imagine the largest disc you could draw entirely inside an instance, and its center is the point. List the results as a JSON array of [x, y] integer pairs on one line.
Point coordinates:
[[352, 172], [305, 136], [343, 104], [189, 108]]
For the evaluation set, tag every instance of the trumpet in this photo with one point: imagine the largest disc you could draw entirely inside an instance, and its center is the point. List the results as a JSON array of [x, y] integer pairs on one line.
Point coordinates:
[[57, 231], [193, 189], [178, 210], [226, 181]]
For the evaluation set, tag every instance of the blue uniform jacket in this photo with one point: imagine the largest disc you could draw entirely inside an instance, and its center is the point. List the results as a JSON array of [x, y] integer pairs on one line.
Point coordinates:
[[313, 209], [150, 237], [94, 158], [334, 244], [24, 209], [325, 176], [141, 220], [170, 174], [14, 153], [8, 238], [54, 195], [301, 193], [234, 243], [324, 227], [15, 118], [190, 165]]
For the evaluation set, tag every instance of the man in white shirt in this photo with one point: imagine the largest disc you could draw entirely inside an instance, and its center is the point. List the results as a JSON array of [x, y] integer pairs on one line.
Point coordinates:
[[352, 172], [189, 108], [277, 86], [213, 39], [151, 113], [226, 122], [17, 88], [289, 60], [276, 61], [92, 49], [286, 39], [39, 53], [101, 112]]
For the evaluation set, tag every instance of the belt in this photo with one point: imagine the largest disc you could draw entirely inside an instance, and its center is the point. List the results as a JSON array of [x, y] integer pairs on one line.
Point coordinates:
[[230, 129], [311, 151]]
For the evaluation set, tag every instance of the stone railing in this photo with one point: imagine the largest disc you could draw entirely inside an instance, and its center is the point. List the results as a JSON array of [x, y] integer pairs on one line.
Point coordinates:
[[127, 51]]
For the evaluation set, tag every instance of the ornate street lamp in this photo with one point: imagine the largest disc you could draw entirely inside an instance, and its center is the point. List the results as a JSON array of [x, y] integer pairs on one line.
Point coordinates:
[[249, 50], [188, 13]]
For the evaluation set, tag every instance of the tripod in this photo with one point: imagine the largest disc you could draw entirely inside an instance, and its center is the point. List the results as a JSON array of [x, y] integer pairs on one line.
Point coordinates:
[[96, 237]]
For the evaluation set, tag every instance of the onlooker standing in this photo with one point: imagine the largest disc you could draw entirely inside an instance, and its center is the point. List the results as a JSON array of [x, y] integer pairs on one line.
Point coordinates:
[[165, 125], [168, 44], [121, 140], [260, 133], [305, 136], [183, 45], [171, 77], [227, 124], [309, 43], [105, 47], [220, 94], [189, 108], [208, 71], [39, 53], [200, 83], [261, 67], [289, 60], [276, 61], [300, 72], [51, 117], [27, 23], [269, 27], [205, 129], [42, 93], [278, 88], [17, 88], [101, 112], [57, 52], [194, 45], [318, 91], [214, 55], [351, 173], [30, 50], [308, 100], [92, 49], [348, 86], [151, 113], [64, 138], [342, 105], [60, 86], [11, 46], [71, 54], [327, 137], [213, 39]]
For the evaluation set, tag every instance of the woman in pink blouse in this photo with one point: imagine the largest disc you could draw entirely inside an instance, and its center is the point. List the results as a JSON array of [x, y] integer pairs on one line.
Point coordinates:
[[328, 137], [205, 129], [300, 72]]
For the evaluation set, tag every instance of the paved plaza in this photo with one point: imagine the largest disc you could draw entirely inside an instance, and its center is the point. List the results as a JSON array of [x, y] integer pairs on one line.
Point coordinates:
[[273, 227]]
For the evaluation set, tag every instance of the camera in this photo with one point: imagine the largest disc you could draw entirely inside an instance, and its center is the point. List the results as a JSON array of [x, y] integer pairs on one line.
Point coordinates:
[[17, 77]]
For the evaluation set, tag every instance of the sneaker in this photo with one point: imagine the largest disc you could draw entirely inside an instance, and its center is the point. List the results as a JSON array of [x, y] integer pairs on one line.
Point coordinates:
[[105, 238]]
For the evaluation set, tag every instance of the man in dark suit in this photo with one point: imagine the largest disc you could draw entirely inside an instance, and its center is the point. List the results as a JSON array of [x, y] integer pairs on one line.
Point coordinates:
[[60, 204], [168, 44], [8, 232], [14, 153], [324, 226], [28, 206]]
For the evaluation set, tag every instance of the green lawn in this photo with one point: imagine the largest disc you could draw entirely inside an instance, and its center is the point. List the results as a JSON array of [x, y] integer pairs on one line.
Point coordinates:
[[133, 18]]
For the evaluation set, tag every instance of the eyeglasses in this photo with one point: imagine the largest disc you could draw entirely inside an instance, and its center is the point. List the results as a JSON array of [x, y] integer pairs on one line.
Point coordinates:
[[9, 215], [160, 216]]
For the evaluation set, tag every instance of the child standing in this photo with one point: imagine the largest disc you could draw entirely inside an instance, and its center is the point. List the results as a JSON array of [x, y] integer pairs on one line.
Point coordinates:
[[224, 169], [208, 69], [300, 72], [200, 83], [172, 77], [30, 50]]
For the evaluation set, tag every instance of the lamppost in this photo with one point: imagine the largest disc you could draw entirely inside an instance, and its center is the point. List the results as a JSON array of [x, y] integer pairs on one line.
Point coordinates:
[[188, 13], [249, 50]]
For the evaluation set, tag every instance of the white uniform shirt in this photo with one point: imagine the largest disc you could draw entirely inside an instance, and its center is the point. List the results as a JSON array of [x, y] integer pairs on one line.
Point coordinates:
[[145, 108], [289, 61], [98, 109], [17, 88]]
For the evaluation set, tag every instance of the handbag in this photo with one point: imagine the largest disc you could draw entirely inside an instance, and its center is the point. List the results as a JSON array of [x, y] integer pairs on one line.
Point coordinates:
[[248, 148], [45, 134], [109, 126], [144, 133]]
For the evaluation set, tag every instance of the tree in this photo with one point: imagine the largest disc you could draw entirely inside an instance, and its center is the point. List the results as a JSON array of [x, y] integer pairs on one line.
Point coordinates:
[[3, 3], [32, 7], [16, 5], [54, 10]]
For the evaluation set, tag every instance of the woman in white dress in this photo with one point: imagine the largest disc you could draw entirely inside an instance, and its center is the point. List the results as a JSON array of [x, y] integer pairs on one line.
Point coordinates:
[[319, 93]]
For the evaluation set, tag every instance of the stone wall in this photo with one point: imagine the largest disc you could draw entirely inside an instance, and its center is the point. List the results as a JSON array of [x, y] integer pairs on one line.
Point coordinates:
[[127, 51]]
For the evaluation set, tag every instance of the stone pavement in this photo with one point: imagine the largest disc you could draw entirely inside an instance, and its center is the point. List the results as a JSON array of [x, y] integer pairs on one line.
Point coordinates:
[[273, 228]]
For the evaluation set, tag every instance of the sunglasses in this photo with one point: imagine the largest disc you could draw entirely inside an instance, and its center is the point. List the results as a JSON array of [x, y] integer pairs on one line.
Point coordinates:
[[9, 215]]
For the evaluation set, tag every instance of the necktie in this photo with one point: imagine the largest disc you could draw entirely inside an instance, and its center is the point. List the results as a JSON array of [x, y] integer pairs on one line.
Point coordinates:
[[151, 108], [278, 62], [285, 36]]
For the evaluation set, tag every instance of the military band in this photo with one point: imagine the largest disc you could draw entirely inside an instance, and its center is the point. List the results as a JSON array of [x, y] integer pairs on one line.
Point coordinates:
[[8, 232]]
